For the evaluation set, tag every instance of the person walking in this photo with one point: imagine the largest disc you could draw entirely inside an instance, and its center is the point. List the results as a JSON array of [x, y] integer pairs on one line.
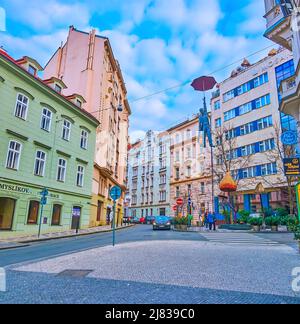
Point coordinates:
[[215, 221], [210, 219]]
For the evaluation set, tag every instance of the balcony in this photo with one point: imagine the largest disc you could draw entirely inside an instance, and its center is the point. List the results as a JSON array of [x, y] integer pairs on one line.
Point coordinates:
[[216, 94], [278, 22], [288, 87]]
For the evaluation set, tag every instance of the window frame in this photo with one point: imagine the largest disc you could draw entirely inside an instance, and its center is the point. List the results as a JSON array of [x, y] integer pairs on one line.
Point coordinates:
[[14, 151], [38, 159], [65, 170], [46, 117], [22, 103]]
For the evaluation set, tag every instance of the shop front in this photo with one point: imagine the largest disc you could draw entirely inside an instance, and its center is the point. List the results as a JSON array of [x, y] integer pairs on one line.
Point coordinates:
[[20, 210]]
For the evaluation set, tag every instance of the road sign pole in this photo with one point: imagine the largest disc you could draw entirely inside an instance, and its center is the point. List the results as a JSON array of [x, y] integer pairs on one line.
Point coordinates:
[[114, 224], [298, 199], [41, 218]]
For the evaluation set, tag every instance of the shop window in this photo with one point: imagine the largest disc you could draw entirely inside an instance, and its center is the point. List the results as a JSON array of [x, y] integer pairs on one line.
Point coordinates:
[[7, 210], [56, 215], [33, 213]]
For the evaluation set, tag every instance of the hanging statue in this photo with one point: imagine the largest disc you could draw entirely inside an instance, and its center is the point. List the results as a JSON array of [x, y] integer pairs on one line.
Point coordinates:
[[204, 126]]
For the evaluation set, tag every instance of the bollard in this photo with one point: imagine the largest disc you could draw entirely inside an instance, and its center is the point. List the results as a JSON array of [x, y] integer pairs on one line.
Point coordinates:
[[2, 280]]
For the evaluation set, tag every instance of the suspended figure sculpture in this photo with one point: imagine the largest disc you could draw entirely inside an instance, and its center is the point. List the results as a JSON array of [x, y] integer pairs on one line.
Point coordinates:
[[204, 127]]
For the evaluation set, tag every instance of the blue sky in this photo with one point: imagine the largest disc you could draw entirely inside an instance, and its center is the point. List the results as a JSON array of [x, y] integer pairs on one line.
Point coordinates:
[[159, 43]]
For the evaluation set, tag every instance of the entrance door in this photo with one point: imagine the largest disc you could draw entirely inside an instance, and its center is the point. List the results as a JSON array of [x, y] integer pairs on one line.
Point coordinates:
[[76, 215], [99, 211], [7, 210]]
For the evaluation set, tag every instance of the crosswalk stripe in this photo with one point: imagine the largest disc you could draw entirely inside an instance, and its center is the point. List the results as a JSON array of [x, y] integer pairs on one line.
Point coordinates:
[[239, 239]]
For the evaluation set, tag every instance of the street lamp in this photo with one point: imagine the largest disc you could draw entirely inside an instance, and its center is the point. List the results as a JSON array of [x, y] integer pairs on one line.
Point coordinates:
[[260, 189]]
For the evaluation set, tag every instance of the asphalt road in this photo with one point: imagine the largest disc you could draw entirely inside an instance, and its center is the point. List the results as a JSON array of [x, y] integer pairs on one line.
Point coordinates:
[[50, 249]]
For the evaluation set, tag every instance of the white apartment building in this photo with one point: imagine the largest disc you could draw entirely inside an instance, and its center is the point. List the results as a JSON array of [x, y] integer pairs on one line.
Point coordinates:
[[149, 176], [247, 123]]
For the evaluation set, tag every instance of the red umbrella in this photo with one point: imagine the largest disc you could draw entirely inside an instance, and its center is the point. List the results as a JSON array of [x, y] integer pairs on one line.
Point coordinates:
[[204, 83]]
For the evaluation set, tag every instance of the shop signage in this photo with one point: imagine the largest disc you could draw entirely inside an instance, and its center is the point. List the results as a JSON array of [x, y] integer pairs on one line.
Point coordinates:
[[24, 190], [15, 188], [292, 166]]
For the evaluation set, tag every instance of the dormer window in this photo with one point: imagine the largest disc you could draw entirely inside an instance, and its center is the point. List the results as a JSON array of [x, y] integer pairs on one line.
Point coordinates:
[[32, 70], [57, 88], [78, 103]]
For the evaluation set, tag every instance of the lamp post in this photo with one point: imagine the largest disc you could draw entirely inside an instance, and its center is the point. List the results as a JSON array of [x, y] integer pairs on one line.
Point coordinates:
[[260, 189]]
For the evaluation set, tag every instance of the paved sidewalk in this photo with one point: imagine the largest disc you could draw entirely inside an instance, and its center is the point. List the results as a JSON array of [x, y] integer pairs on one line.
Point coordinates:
[[20, 241]]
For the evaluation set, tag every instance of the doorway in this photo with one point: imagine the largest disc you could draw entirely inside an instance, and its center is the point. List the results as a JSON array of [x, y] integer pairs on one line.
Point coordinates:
[[7, 211], [76, 215]]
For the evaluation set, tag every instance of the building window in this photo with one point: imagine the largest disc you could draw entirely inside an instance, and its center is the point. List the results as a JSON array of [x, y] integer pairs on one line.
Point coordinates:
[[217, 105], [244, 109], [66, 132], [78, 103], [56, 215], [218, 122], [188, 171], [84, 139], [21, 106], [80, 176], [177, 192], [177, 156], [57, 88], [13, 155], [32, 70], [202, 188], [40, 163], [46, 120], [228, 115], [177, 171], [228, 95], [33, 213], [61, 170]]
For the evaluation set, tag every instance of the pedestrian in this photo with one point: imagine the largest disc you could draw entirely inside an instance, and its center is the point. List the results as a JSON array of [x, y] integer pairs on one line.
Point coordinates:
[[215, 221], [210, 219], [206, 220]]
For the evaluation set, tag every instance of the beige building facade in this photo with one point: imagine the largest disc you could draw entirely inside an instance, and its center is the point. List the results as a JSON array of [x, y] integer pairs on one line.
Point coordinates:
[[87, 64], [190, 169]]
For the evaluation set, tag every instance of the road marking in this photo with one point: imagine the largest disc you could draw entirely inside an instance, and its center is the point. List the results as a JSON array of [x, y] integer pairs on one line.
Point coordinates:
[[239, 239]]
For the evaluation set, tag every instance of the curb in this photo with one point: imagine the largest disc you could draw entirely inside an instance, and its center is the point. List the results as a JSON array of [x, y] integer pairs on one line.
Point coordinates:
[[13, 247], [62, 237]]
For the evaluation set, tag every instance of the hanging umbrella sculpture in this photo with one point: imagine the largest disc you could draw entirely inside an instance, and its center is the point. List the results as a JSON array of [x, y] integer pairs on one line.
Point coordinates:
[[203, 84]]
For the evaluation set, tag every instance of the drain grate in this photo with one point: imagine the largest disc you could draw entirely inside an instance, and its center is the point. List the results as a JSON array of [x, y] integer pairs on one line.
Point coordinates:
[[75, 273]]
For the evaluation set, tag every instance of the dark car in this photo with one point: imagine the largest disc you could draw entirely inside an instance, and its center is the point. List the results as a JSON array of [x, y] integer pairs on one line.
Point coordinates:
[[162, 223], [150, 220]]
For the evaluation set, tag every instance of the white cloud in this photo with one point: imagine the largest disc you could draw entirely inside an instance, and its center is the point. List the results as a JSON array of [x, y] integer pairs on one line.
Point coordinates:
[[48, 15]]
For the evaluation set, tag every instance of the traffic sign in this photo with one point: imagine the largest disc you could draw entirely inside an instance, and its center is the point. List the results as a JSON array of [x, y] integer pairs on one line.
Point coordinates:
[[179, 201], [115, 193], [175, 208], [289, 138]]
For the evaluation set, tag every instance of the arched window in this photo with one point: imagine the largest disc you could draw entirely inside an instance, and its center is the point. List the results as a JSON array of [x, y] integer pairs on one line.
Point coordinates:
[[22, 105], [33, 212]]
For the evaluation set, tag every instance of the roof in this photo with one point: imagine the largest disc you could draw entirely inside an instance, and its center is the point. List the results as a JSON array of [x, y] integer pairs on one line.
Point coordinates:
[[183, 123], [26, 59], [9, 59]]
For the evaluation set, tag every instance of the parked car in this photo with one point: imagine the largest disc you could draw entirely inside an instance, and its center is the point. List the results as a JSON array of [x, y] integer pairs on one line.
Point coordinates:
[[162, 222], [142, 220], [256, 215], [150, 220], [127, 220], [135, 220]]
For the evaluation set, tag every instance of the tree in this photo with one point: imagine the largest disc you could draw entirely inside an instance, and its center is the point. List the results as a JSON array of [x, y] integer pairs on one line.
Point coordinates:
[[227, 160], [280, 152]]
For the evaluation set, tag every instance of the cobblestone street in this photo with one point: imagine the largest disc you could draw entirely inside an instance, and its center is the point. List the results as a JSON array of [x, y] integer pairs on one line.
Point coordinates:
[[209, 268]]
